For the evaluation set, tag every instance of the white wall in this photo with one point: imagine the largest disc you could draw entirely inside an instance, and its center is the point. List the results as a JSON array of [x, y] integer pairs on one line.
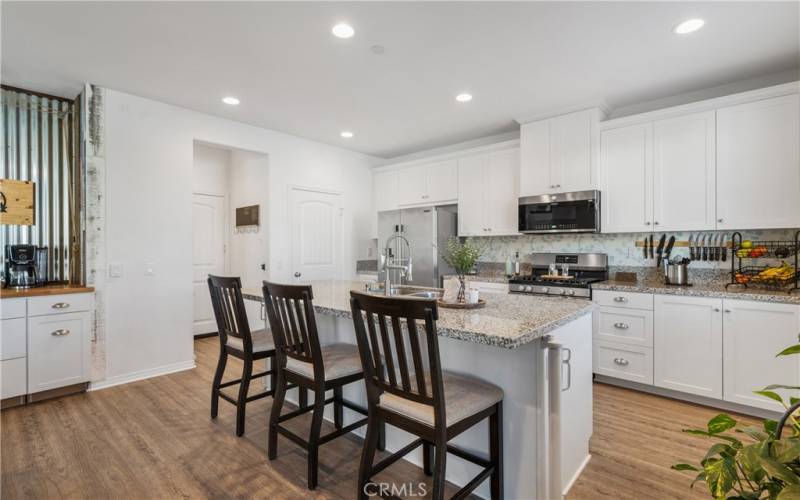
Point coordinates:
[[211, 169], [149, 149]]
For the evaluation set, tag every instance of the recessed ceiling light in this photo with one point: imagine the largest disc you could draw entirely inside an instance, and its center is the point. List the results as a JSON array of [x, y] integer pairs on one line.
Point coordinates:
[[346, 134], [689, 26], [230, 100], [343, 31], [464, 97]]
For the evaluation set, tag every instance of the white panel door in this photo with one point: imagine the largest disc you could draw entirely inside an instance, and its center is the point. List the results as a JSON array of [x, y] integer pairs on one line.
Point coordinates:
[[687, 344], [535, 158], [411, 185], [684, 167], [385, 190], [501, 176], [754, 333], [626, 170], [572, 165], [316, 235], [208, 256], [442, 182], [471, 195], [758, 164]]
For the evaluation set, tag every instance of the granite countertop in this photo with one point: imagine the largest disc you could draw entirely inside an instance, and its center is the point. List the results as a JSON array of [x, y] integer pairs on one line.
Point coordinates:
[[715, 289], [507, 320]]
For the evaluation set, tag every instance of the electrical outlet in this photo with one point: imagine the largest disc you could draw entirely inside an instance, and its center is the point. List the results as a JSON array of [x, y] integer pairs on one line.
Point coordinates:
[[115, 270], [149, 269]]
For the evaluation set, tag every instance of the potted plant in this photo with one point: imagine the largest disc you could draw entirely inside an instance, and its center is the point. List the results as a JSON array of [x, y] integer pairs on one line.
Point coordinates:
[[752, 462], [462, 257]]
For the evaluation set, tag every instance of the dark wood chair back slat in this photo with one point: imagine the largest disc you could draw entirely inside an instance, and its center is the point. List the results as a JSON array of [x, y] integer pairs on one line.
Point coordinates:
[[229, 310], [291, 317], [395, 362]]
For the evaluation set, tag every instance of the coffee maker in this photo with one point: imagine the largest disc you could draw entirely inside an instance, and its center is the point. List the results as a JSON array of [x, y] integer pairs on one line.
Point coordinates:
[[26, 266]]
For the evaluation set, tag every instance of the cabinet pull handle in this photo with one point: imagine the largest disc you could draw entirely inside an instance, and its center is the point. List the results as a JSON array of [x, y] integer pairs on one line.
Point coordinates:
[[60, 305], [720, 220], [647, 223], [716, 309], [727, 310], [621, 361], [59, 333], [621, 326], [566, 361], [620, 299]]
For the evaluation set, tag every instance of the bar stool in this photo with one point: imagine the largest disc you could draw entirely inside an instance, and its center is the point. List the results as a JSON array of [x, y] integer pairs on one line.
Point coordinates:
[[303, 362], [432, 404], [236, 339]]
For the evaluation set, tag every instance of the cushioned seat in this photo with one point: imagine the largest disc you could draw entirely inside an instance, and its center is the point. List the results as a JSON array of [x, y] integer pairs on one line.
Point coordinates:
[[340, 360], [262, 341], [464, 396]]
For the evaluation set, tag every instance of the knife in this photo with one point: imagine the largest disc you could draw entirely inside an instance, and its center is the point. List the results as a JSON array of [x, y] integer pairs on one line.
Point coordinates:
[[717, 249], [703, 255], [651, 246], [724, 248], [691, 248], [670, 244], [660, 249], [645, 246], [711, 239]]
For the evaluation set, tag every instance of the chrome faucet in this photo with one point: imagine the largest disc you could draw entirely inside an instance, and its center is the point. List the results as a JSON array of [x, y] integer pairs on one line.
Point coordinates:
[[389, 262]]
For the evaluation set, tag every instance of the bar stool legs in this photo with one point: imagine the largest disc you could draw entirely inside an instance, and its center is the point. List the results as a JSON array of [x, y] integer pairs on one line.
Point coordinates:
[[223, 360], [496, 451]]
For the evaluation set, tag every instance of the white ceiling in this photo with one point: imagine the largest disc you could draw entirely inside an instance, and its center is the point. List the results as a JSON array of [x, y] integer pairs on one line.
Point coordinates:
[[292, 75]]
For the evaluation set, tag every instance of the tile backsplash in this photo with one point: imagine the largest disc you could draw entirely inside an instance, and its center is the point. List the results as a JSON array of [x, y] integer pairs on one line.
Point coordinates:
[[620, 247]]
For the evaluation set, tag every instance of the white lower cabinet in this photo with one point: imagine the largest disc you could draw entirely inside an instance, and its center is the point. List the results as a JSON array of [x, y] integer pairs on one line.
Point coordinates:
[[59, 351], [622, 361], [13, 378], [687, 344], [754, 333]]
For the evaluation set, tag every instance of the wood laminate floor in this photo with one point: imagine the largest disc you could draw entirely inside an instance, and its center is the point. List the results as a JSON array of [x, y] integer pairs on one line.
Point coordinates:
[[154, 439]]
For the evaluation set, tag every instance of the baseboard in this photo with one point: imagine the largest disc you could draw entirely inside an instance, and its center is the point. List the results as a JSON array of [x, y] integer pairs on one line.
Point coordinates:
[[576, 475], [690, 398], [205, 335], [141, 375]]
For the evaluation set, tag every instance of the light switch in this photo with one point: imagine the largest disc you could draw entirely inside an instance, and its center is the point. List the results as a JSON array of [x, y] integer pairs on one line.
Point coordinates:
[[149, 269], [115, 270]]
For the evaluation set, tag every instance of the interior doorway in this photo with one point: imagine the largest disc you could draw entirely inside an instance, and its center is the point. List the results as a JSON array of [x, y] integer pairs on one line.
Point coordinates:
[[209, 245]]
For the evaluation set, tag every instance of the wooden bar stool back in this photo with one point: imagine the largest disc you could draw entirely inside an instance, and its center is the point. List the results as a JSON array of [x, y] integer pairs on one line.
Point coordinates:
[[236, 339], [407, 388], [303, 362]]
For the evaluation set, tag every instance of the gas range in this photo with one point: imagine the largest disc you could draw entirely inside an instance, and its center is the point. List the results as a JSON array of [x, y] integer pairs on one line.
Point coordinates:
[[584, 269]]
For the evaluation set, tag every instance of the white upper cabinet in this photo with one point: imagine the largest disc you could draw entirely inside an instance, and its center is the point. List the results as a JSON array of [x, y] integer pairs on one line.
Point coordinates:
[[758, 164], [684, 183], [384, 190], [754, 333], [428, 183], [487, 194], [559, 154], [626, 189]]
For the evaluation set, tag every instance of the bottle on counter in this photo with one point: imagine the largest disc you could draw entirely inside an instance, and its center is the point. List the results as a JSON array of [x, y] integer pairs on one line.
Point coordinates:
[[509, 269], [516, 264]]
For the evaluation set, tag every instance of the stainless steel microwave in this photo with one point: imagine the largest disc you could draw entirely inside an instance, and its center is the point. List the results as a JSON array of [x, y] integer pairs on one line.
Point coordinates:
[[576, 212]]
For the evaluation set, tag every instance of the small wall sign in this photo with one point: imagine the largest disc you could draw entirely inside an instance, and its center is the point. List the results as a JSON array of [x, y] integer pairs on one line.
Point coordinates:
[[17, 202]]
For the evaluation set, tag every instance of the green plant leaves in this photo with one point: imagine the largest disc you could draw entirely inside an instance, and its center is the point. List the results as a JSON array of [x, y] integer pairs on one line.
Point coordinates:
[[720, 423], [778, 470], [786, 450], [771, 395], [791, 492], [795, 349], [684, 467], [462, 256], [720, 475], [755, 433]]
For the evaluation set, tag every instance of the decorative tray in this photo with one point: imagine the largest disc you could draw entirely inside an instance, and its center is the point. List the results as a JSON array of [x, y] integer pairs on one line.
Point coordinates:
[[461, 305], [556, 277]]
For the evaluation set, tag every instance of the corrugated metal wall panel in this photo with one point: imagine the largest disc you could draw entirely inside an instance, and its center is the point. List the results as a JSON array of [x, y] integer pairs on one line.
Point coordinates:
[[39, 144]]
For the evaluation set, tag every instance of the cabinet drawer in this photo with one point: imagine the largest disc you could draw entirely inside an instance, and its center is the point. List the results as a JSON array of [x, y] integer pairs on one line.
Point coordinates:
[[14, 378], [625, 326], [57, 304], [631, 300], [624, 361], [59, 351], [13, 342], [12, 308]]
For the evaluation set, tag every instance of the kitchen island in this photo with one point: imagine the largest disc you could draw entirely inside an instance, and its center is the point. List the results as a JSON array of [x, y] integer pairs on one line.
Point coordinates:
[[537, 349]]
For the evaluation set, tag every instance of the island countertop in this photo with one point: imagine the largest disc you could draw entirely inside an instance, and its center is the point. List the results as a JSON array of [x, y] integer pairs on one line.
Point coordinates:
[[507, 320]]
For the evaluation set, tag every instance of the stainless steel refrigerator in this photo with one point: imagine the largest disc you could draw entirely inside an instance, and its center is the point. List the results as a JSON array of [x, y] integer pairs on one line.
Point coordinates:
[[426, 229]]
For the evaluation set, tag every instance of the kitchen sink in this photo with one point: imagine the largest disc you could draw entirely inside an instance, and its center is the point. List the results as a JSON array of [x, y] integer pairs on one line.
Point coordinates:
[[409, 291]]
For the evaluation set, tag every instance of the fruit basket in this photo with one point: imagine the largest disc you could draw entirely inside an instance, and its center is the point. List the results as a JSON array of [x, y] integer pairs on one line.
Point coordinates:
[[765, 264]]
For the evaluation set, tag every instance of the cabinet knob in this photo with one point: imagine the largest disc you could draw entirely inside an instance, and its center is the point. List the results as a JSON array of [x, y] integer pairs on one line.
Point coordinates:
[[656, 223], [59, 333], [60, 305], [621, 326], [558, 185], [716, 309], [647, 223], [620, 299], [727, 310], [621, 361], [720, 220]]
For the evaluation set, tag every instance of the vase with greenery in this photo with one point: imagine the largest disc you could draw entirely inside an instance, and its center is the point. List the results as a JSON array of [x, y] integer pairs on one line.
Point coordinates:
[[749, 463], [462, 257]]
